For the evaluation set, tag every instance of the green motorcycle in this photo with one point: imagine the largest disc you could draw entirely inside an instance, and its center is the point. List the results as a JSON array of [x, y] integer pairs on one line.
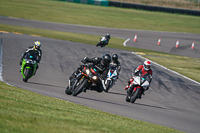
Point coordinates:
[[29, 65]]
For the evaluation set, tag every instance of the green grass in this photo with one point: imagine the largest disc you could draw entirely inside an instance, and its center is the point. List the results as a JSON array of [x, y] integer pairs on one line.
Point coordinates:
[[23, 111], [71, 13]]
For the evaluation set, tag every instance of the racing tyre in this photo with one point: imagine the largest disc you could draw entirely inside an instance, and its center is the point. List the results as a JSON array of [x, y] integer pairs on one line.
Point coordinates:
[[26, 74], [80, 87], [107, 85], [135, 95], [98, 44]]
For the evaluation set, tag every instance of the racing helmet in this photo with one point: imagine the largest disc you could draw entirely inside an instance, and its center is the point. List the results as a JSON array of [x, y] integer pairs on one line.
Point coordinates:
[[108, 35], [114, 58], [147, 65], [37, 44], [106, 58]]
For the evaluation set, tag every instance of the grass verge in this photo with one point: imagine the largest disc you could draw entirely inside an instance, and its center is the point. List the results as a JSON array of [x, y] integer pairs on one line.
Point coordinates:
[[73, 13], [27, 112]]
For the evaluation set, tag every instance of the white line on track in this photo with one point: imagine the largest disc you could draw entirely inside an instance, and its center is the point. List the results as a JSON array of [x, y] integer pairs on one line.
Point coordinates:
[[126, 41], [161, 65], [1, 56], [167, 69]]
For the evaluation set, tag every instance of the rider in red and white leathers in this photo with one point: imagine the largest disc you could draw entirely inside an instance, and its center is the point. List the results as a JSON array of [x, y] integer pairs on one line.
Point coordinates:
[[144, 69]]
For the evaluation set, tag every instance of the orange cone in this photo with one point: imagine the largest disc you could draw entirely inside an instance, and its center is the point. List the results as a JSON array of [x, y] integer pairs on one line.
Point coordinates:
[[135, 38], [177, 43], [192, 47], [159, 41]]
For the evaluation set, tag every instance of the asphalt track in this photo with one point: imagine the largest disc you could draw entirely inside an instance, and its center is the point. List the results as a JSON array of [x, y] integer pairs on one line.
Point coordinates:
[[145, 39], [171, 101]]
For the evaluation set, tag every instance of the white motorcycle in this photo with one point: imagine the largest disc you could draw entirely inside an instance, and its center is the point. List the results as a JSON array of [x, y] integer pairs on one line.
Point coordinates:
[[103, 41], [140, 84], [111, 78]]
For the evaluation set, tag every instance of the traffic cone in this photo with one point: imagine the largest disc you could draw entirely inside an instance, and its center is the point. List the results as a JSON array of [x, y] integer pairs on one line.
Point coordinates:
[[159, 41], [192, 47], [135, 38], [177, 43]]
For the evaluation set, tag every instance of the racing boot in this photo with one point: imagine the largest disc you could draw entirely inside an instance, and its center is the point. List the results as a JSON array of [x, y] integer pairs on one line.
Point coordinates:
[[84, 89], [36, 69]]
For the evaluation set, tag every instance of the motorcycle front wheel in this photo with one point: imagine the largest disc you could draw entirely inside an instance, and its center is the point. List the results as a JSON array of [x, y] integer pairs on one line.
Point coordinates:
[[107, 85], [135, 95], [26, 74], [78, 89], [98, 44]]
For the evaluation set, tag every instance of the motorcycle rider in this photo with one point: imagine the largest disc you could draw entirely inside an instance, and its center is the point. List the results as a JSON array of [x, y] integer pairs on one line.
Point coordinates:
[[36, 50], [115, 63], [102, 64], [144, 69], [107, 36]]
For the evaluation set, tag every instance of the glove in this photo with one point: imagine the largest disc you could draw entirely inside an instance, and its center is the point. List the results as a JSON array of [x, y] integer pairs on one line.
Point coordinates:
[[84, 60]]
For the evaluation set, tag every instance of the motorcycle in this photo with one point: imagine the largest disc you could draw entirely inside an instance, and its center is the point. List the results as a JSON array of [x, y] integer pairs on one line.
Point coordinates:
[[140, 84], [29, 65], [87, 78], [103, 42], [111, 78]]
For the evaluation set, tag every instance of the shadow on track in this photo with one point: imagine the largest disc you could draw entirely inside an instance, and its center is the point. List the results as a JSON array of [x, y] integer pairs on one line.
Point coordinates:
[[140, 104], [116, 93], [44, 84], [125, 105]]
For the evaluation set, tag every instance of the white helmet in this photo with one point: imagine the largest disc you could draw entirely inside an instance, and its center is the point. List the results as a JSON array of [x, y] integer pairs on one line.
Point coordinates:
[[147, 65], [37, 43]]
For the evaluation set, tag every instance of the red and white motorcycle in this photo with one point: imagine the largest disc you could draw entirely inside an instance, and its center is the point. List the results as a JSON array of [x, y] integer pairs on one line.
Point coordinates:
[[138, 85]]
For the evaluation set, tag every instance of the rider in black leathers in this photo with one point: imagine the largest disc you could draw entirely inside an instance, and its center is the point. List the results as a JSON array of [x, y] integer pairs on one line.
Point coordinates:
[[107, 36], [102, 64], [34, 49], [115, 63]]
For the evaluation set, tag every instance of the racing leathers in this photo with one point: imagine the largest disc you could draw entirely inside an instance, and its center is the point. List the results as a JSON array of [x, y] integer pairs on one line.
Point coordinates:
[[107, 38], [117, 65], [32, 49], [98, 63]]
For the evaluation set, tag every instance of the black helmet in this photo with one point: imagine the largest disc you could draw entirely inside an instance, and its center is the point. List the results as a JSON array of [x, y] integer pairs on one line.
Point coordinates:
[[115, 58], [106, 58]]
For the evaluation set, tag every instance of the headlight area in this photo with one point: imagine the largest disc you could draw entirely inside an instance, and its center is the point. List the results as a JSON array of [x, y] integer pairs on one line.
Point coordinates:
[[94, 77], [87, 71], [33, 62]]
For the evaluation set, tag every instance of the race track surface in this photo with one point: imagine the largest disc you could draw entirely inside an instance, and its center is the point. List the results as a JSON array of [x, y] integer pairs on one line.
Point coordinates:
[[171, 101]]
